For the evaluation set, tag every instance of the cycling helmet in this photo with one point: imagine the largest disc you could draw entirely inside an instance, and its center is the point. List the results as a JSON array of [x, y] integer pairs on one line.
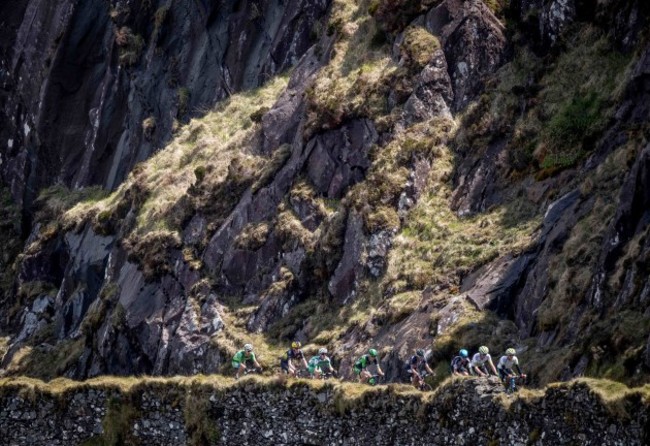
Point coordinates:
[[296, 344], [511, 351], [463, 353], [248, 347], [322, 351], [420, 352], [483, 350], [372, 352]]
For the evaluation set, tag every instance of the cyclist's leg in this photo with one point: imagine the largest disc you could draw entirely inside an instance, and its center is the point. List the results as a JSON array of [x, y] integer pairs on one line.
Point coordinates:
[[364, 376], [238, 368], [292, 369], [284, 365], [414, 380]]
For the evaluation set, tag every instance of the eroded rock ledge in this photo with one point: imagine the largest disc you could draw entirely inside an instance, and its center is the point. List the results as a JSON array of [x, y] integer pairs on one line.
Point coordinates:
[[216, 410]]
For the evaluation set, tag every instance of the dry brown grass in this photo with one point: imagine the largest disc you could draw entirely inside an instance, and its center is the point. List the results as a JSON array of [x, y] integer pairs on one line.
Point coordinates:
[[212, 141]]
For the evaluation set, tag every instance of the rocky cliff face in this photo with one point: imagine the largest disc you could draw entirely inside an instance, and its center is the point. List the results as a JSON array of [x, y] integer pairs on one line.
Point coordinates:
[[194, 413], [91, 88], [424, 175]]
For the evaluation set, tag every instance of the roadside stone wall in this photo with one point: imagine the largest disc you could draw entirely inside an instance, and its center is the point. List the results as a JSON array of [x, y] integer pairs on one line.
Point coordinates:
[[268, 412]]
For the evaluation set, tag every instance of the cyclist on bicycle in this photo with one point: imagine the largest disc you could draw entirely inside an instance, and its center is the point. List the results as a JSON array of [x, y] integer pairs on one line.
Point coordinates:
[[506, 365], [320, 365], [480, 361], [415, 366], [460, 363], [293, 354], [362, 364], [242, 357]]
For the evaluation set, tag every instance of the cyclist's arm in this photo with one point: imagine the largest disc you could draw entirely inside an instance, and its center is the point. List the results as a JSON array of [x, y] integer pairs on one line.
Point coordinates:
[[494, 370], [304, 362], [426, 366], [518, 369]]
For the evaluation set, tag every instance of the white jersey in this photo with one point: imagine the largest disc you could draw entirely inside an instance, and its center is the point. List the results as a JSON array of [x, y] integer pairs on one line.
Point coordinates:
[[477, 361], [505, 363]]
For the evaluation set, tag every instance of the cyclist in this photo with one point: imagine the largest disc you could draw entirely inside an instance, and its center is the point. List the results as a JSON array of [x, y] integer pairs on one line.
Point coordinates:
[[362, 364], [321, 364], [242, 357], [506, 365], [293, 354], [460, 363], [415, 366], [480, 361]]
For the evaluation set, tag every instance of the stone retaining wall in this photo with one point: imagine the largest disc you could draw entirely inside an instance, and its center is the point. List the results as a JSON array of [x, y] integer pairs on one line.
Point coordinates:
[[204, 411]]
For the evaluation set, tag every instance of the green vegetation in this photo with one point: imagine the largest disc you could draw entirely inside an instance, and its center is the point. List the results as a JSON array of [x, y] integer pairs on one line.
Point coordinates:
[[149, 127], [395, 15], [558, 109], [130, 46], [202, 430], [359, 76], [208, 158], [253, 236], [183, 101], [160, 16], [117, 424], [419, 46], [44, 361]]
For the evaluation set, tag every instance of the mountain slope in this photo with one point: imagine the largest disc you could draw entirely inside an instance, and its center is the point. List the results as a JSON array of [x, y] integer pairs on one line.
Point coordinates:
[[444, 174]]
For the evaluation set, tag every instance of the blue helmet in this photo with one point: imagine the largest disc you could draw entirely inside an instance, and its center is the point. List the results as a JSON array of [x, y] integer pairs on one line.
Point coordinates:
[[463, 353]]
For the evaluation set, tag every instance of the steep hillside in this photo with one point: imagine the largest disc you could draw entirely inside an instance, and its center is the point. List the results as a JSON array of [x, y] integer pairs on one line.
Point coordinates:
[[438, 173]]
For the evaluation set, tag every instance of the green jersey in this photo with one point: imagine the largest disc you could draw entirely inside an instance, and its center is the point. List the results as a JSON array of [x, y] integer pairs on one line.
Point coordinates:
[[241, 357], [323, 364], [364, 362]]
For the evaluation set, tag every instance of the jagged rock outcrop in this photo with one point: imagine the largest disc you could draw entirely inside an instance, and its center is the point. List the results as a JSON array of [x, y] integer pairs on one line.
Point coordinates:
[[264, 413], [91, 88], [342, 173], [165, 326]]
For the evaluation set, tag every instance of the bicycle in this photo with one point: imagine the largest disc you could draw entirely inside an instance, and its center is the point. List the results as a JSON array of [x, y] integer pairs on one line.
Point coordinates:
[[424, 387], [302, 373], [511, 383], [374, 380], [252, 370], [327, 375]]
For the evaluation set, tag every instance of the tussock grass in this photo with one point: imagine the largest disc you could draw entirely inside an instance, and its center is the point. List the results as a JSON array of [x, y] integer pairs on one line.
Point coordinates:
[[353, 83], [235, 334], [395, 15], [437, 246], [212, 141], [419, 46], [44, 361], [570, 270], [619, 399], [208, 154]]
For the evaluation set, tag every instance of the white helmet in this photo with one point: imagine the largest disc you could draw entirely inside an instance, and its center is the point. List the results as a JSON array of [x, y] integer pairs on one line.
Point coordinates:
[[248, 347], [322, 351], [511, 351], [483, 350]]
